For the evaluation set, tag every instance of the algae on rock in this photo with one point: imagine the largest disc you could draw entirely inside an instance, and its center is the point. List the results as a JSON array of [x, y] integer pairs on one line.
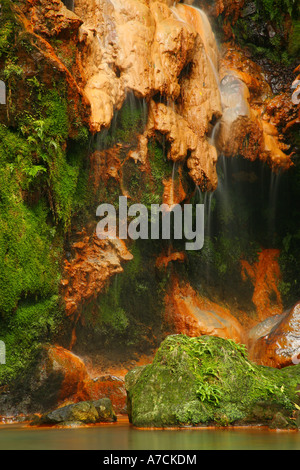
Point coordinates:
[[209, 381]]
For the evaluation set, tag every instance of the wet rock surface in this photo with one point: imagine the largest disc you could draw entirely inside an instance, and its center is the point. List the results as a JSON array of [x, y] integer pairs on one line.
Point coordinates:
[[59, 377], [197, 103], [83, 413], [279, 346]]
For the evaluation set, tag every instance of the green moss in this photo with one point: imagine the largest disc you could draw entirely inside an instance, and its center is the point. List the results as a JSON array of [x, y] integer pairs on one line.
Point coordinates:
[[251, 31], [46, 131], [294, 39], [131, 305], [34, 322], [275, 9], [7, 28], [127, 123], [208, 380], [161, 168], [43, 181], [30, 251]]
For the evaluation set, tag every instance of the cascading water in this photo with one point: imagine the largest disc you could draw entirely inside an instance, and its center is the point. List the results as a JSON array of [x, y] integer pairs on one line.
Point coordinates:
[[233, 92], [173, 184], [236, 178], [273, 200]]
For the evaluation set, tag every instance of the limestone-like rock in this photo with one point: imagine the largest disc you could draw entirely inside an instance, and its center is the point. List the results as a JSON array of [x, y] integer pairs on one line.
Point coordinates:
[[154, 49], [176, 130], [246, 127], [87, 412], [210, 381]]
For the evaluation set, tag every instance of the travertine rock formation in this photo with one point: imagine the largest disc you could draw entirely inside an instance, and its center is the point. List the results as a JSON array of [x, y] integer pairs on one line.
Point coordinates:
[[154, 50], [201, 102], [165, 53]]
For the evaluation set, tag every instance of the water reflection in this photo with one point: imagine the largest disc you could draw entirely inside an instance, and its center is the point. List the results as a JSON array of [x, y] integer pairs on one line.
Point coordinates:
[[124, 437]]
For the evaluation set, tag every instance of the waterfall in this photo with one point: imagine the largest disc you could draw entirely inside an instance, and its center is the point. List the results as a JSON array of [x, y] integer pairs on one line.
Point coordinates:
[[173, 183], [2, 92], [205, 31], [176, 14], [273, 198]]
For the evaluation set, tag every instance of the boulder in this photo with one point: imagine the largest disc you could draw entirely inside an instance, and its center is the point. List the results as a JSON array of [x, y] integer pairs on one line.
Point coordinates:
[[279, 345], [85, 412], [57, 378], [210, 381]]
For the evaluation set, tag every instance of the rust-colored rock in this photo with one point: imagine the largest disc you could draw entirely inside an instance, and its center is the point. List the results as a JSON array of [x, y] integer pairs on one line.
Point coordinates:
[[278, 346], [77, 385], [51, 18], [265, 275], [107, 386], [245, 127], [164, 260], [189, 313], [70, 367], [173, 192], [95, 261]]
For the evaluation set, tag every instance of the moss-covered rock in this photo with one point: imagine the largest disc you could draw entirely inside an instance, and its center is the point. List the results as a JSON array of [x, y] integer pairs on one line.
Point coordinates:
[[85, 412], [209, 381]]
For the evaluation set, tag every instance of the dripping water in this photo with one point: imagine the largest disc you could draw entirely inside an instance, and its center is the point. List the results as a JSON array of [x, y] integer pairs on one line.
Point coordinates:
[[207, 28], [272, 205], [173, 182], [176, 14]]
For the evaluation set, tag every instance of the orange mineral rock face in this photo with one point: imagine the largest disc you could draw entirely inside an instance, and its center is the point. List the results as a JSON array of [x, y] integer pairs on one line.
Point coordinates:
[[157, 49], [164, 260], [246, 126], [173, 192], [76, 383], [71, 368], [95, 261], [265, 275], [189, 313]]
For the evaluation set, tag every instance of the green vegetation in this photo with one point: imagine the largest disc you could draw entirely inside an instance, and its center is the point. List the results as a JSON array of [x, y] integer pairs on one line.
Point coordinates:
[[209, 380], [161, 168], [276, 9], [281, 42], [41, 186], [7, 28], [127, 123], [38, 190], [132, 303]]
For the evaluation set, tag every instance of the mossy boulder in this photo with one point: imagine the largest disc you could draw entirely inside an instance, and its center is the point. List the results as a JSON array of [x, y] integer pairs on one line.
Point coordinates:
[[210, 381], [85, 412]]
